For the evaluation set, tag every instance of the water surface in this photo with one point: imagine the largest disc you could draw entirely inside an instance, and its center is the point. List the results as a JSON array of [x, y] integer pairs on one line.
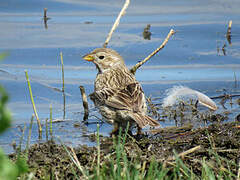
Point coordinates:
[[193, 56]]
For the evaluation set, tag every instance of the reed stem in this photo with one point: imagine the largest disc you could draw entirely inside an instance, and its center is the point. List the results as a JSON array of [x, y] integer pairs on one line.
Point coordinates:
[[46, 125], [33, 105], [21, 140], [98, 151], [51, 131], [63, 87], [29, 133]]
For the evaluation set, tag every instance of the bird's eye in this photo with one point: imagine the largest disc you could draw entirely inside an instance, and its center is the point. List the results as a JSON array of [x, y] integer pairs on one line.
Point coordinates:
[[101, 57]]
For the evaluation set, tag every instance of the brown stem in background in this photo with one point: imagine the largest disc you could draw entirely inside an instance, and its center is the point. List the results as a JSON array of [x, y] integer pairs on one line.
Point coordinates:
[[45, 13], [85, 103], [228, 35], [138, 65], [45, 18]]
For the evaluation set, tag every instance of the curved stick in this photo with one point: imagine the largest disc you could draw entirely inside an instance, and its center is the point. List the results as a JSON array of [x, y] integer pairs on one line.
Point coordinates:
[[115, 25], [138, 65]]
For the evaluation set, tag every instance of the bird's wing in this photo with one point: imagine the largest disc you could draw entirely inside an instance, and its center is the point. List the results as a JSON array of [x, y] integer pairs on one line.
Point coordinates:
[[128, 98]]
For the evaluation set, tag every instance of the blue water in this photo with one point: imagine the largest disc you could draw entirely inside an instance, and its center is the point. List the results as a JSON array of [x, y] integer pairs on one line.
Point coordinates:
[[193, 56]]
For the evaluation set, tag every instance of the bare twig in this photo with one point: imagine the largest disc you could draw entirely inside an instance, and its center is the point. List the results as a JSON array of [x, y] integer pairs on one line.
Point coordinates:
[[78, 163], [138, 65], [182, 154], [115, 25], [34, 107], [85, 103], [225, 95], [173, 129]]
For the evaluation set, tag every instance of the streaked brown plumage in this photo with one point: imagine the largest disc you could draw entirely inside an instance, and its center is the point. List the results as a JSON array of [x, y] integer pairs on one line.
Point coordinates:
[[118, 95]]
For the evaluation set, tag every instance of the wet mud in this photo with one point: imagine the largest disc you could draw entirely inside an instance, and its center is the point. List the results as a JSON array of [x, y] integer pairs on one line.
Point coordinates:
[[51, 160]]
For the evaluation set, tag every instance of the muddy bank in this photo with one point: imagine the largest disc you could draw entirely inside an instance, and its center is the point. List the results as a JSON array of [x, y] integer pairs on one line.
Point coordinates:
[[48, 160]]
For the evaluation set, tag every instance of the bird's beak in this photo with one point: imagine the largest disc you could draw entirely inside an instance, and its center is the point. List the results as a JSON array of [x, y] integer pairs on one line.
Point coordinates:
[[88, 57]]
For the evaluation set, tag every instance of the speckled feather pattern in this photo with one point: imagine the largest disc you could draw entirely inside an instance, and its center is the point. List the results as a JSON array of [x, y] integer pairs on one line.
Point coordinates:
[[118, 95]]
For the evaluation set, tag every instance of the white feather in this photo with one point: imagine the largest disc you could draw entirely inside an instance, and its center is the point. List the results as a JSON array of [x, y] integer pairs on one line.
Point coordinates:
[[177, 92]]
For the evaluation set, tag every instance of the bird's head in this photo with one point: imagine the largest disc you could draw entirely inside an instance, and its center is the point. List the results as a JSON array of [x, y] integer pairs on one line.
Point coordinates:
[[104, 59]]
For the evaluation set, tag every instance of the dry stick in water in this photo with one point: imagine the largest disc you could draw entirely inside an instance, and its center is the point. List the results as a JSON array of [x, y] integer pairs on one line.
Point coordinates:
[[21, 139], [51, 120], [235, 80], [228, 35], [45, 18], [116, 23], [45, 13], [46, 126], [63, 87], [138, 65], [85, 103], [98, 151], [29, 133], [34, 107]]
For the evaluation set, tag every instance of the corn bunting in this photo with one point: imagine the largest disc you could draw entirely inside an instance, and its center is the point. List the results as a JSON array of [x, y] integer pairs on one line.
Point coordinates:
[[118, 95]]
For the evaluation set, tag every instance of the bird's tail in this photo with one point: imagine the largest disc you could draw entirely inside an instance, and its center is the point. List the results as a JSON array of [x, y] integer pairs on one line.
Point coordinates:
[[144, 120]]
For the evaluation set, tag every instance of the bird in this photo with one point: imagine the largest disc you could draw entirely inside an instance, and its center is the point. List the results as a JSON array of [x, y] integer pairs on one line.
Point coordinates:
[[117, 94]]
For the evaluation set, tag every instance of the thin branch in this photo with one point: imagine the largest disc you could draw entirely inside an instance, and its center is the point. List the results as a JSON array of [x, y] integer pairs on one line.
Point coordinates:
[[77, 163], [116, 23], [138, 65], [182, 154]]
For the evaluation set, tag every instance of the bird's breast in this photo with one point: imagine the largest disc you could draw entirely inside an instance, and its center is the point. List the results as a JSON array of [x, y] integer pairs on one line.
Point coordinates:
[[116, 78]]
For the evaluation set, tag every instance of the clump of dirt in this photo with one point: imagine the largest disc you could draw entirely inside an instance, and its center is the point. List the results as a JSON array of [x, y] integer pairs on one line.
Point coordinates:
[[48, 160]]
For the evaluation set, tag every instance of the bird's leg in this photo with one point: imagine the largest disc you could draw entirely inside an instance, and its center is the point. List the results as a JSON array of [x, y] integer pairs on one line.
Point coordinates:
[[139, 134], [115, 131], [139, 130]]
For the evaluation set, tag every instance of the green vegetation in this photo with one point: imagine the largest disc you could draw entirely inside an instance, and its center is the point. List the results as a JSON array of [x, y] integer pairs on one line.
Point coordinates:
[[205, 153], [8, 170], [119, 164]]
